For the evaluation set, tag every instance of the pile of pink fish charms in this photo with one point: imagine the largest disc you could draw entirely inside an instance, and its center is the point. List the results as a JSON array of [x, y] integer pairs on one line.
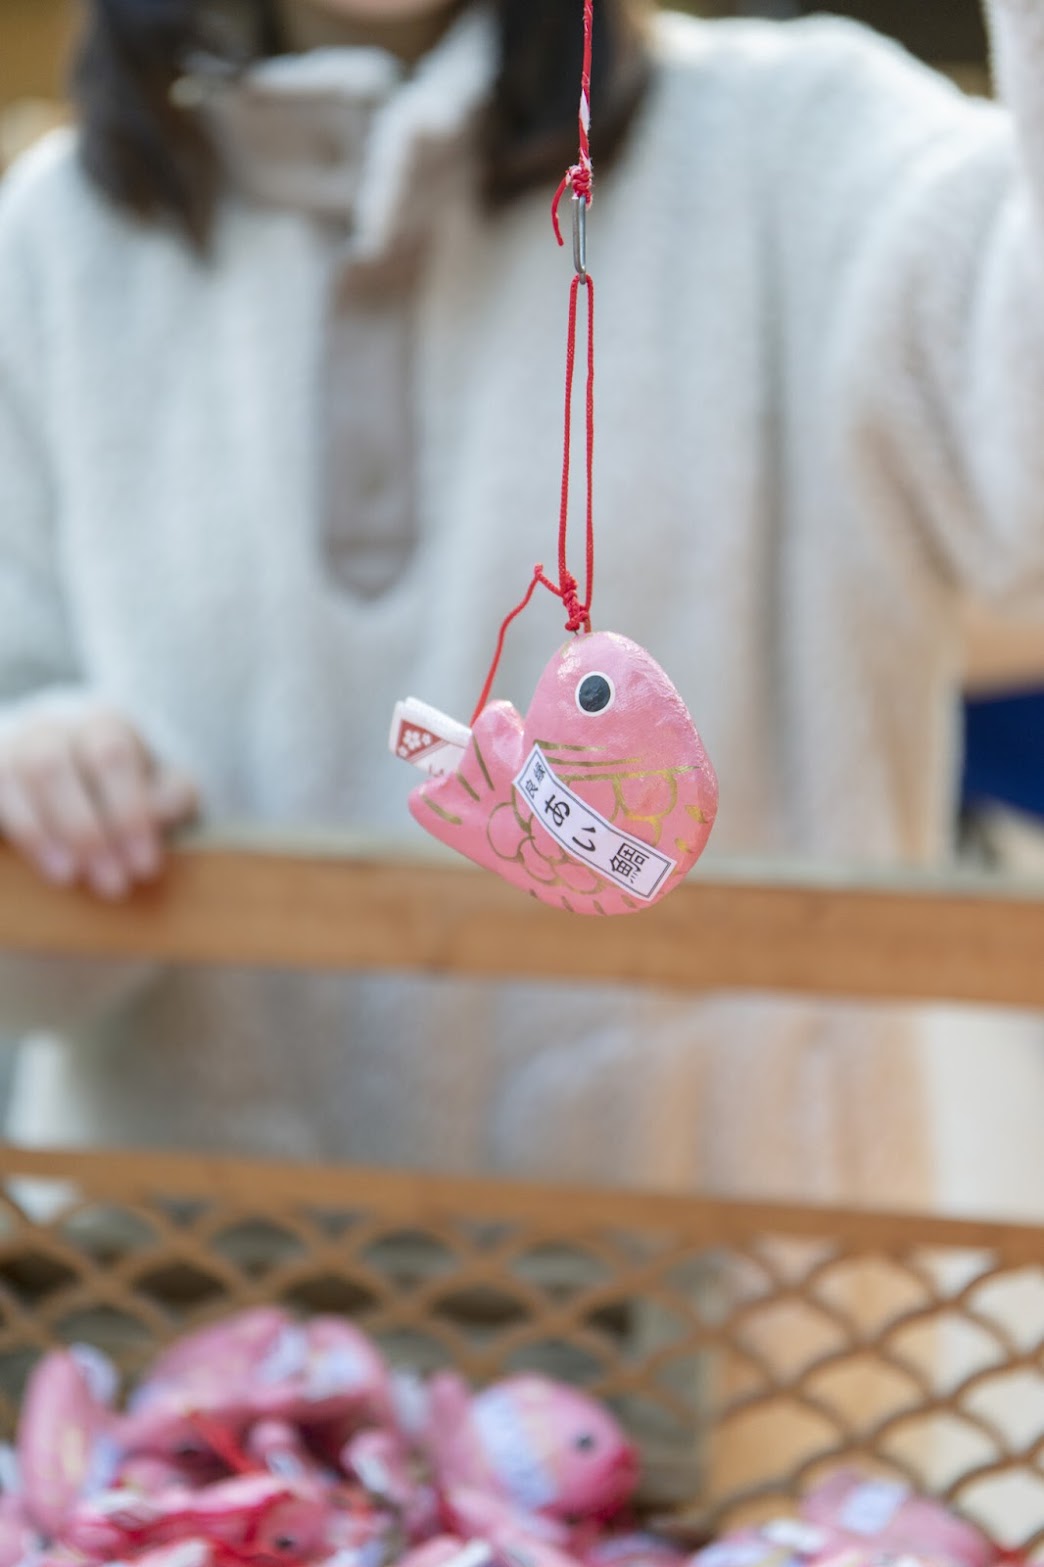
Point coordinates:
[[598, 801], [267, 1441]]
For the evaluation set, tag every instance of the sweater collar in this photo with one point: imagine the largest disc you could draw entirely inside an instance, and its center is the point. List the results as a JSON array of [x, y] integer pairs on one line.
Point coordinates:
[[350, 135]]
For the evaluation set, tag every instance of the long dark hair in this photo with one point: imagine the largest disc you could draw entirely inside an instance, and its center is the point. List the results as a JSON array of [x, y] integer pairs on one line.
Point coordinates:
[[154, 158]]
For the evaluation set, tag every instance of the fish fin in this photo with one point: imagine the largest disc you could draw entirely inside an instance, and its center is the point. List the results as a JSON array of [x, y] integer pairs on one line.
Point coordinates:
[[446, 816], [456, 803]]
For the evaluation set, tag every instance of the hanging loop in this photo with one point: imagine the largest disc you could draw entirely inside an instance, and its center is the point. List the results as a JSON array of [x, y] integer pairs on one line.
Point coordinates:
[[580, 236]]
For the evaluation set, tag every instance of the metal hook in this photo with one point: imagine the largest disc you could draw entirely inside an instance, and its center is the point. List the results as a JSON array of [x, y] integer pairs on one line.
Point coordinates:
[[580, 235]]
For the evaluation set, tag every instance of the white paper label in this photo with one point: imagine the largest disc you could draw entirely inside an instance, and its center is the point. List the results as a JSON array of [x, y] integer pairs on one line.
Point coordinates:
[[733, 1553], [287, 1357], [508, 1445], [428, 739], [793, 1535], [477, 1554], [872, 1506], [373, 1473], [588, 836], [334, 1371]]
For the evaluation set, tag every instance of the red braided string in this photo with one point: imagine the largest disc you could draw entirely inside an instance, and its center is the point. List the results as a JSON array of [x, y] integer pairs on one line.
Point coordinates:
[[580, 179], [579, 611]]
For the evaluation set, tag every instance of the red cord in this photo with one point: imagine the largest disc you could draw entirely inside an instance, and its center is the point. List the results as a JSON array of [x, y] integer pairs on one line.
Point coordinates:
[[538, 576], [579, 611], [580, 179]]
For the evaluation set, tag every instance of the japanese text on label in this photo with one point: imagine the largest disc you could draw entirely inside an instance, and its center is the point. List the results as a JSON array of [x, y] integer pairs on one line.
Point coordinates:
[[587, 835]]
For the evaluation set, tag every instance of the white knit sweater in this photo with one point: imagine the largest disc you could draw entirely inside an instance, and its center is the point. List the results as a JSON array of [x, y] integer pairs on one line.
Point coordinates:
[[821, 413]]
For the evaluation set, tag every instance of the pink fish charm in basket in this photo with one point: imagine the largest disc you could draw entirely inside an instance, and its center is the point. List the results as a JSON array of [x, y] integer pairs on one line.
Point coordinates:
[[236, 1345], [540, 1446], [257, 1516], [887, 1516], [65, 1434], [211, 1372], [323, 1371], [598, 801], [259, 1365]]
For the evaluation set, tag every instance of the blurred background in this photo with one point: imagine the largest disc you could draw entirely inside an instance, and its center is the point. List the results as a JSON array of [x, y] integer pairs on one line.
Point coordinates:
[[34, 39]]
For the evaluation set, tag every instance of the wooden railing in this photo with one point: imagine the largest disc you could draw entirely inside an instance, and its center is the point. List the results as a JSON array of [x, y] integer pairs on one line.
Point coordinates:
[[339, 905]]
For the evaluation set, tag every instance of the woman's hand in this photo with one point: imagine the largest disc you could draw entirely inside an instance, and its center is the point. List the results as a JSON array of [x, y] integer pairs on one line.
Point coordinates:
[[84, 801]]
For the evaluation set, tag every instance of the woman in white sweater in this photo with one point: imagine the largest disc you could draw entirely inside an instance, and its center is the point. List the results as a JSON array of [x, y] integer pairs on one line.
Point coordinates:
[[281, 332]]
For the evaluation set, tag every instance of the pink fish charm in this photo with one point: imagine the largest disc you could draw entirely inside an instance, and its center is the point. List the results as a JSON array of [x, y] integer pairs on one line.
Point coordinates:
[[65, 1445], [258, 1365], [887, 1516], [599, 801], [210, 1372], [540, 1446], [258, 1516]]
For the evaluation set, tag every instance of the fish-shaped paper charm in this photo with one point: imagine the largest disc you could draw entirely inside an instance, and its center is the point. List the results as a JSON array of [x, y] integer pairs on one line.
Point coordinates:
[[544, 1448], [885, 1516], [598, 801], [66, 1448], [256, 1517]]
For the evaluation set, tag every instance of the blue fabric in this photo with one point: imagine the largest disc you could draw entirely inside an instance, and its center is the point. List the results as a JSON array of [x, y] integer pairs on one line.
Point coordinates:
[[1004, 752]]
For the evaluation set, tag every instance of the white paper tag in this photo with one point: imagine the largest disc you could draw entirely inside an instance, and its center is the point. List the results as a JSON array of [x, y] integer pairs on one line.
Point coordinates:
[[510, 1452], [10, 1470], [411, 1402], [793, 1535], [341, 1369], [734, 1553], [477, 1554], [103, 1380], [872, 1506], [428, 739], [373, 1473], [588, 836], [287, 1358]]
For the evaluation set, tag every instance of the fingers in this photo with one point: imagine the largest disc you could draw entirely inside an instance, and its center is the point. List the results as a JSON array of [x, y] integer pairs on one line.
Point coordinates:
[[82, 802], [54, 815], [25, 829], [115, 771]]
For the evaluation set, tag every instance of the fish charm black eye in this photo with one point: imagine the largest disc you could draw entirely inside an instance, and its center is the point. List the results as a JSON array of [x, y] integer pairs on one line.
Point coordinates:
[[594, 694], [585, 1442]]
